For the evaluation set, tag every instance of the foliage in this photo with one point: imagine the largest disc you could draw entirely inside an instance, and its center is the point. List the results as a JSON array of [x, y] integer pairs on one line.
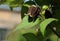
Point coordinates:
[[41, 28], [45, 23]]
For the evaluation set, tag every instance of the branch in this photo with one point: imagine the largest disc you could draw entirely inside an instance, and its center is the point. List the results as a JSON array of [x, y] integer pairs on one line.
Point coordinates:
[[54, 31]]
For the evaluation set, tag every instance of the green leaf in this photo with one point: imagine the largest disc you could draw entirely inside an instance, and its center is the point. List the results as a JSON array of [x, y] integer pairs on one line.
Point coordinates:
[[27, 27], [44, 24], [22, 28], [26, 24]]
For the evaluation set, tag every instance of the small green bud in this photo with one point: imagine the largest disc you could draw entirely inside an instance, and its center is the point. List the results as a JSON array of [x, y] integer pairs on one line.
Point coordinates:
[[45, 7]]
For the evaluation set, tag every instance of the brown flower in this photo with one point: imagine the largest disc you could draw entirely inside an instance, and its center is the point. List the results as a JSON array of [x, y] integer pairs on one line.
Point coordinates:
[[33, 11]]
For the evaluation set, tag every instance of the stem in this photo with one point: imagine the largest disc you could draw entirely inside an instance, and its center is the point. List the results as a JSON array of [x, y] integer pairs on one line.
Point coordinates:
[[54, 31], [42, 17]]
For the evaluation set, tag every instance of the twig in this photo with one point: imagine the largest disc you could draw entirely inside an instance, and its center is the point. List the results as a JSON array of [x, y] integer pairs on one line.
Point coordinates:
[[54, 31]]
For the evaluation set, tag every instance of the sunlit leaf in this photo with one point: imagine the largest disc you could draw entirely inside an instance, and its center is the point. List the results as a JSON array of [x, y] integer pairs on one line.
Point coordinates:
[[22, 28], [44, 24], [26, 24]]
